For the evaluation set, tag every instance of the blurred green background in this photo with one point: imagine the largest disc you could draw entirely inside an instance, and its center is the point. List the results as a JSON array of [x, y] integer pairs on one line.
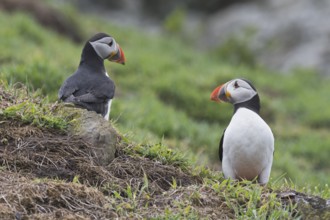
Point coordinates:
[[163, 90]]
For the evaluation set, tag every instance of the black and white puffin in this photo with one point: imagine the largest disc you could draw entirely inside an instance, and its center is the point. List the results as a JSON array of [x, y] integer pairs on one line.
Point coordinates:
[[90, 86], [247, 144]]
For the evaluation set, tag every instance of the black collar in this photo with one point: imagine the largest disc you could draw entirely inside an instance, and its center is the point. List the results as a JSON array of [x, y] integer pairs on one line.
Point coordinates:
[[252, 104]]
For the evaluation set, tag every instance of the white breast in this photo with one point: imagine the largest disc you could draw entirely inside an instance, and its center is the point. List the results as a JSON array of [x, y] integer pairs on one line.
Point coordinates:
[[248, 146], [106, 117]]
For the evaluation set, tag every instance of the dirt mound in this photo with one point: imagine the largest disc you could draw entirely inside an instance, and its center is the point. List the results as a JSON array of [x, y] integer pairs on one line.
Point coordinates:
[[50, 174], [46, 153], [41, 168]]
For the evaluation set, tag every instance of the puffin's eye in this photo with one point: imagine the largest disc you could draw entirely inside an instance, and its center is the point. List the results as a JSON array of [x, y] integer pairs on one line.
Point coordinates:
[[236, 85], [111, 42]]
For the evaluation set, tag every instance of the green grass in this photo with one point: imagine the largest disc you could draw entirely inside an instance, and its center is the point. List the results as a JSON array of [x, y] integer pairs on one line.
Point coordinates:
[[160, 153], [32, 113], [163, 93]]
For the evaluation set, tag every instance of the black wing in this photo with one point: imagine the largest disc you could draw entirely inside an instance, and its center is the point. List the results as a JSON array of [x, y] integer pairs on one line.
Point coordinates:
[[220, 146], [105, 89], [87, 88], [88, 91], [68, 88]]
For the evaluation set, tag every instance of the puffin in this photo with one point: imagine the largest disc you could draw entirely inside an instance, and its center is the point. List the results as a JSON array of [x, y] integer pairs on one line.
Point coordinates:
[[90, 86], [247, 144]]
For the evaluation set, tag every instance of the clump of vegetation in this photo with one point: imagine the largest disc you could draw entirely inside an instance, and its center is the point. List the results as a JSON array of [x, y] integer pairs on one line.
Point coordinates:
[[28, 108], [160, 153]]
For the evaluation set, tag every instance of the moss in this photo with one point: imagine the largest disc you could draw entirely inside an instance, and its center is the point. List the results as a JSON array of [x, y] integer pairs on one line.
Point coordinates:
[[70, 114], [35, 114], [160, 153], [29, 108]]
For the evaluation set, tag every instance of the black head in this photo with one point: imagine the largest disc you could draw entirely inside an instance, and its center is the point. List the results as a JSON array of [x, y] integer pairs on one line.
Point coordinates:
[[97, 37]]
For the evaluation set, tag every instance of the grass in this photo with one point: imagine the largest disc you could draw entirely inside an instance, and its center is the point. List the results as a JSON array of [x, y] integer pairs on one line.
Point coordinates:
[[163, 94], [161, 154]]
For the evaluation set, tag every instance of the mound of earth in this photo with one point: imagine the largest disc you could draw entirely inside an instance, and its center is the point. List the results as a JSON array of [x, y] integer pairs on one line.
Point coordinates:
[[49, 174]]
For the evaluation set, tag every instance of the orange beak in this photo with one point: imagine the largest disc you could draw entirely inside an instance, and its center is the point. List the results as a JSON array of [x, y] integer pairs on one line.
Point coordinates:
[[215, 94], [219, 94], [118, 57]]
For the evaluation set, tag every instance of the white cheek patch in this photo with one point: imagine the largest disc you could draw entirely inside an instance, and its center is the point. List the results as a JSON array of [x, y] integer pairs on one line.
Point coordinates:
[[114, 46], [103, 50], [242, 95], [240, 91]]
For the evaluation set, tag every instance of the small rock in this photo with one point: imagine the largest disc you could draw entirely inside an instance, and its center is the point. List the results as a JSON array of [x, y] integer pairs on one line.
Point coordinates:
[[310, 207], [97, 131]]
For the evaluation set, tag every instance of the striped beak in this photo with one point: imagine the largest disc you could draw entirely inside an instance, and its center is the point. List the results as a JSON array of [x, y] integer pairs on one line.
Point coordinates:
[[220, 94], [118, 57]]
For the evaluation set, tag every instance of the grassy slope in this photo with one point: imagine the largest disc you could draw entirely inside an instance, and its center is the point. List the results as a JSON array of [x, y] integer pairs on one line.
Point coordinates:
[[163, 93], [144, 181]]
